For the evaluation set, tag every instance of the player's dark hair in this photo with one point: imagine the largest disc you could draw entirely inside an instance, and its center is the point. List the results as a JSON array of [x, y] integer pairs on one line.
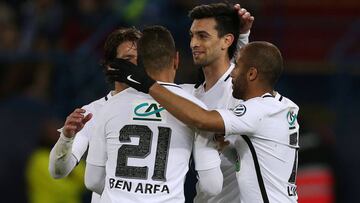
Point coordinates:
[[156, 48], [115, 39], [266, 58], [112, 42], [226, 17]]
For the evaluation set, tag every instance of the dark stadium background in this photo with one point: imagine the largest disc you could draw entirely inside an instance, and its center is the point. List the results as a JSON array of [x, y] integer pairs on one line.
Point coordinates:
[[50, 51]]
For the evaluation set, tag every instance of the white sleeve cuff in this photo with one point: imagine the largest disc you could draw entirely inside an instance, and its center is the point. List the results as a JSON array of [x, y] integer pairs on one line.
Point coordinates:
[[66, 139], [244, 36], [223, 113]]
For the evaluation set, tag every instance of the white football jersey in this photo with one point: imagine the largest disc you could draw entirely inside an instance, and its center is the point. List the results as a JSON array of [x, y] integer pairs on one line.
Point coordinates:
[[144, 149], [219, 97], [267, 145], [81, 140]]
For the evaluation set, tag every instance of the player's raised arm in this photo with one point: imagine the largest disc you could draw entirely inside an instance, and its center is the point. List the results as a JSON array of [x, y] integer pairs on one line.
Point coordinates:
[[246, 19], [246, 22], [61, 162]]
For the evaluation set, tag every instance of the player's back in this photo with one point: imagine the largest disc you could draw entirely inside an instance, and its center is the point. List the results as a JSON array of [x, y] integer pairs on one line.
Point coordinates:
[[148, 150]]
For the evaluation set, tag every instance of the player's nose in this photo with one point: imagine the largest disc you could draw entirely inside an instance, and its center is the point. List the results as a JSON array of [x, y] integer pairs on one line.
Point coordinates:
[[193, 43]]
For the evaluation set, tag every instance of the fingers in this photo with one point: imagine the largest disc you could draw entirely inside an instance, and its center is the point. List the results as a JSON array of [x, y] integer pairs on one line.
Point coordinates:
[[87, 118], [246, 19], [78, 110], [244, 14], [75, 122]]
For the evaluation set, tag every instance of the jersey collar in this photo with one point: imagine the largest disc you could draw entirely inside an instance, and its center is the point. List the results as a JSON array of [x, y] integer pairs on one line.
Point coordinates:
[[277, 96], [109, 95], [168, 84], [225, 77]]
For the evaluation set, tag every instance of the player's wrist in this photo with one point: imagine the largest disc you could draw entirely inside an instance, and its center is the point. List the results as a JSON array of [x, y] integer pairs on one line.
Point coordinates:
[[244, 35], [66, 137], [152, 88], [148, 84]]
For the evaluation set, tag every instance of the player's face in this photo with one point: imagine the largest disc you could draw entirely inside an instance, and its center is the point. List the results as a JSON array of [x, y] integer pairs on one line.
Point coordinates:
[[128, 51], [205, 43], [239, 79]]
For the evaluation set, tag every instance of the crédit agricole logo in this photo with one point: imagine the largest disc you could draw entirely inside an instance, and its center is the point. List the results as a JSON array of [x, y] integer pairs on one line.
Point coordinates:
[[148, 111]]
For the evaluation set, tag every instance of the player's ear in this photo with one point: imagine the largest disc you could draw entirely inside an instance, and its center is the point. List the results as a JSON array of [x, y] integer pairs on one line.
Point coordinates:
[[228, 39], [252, 73], [176, 60]]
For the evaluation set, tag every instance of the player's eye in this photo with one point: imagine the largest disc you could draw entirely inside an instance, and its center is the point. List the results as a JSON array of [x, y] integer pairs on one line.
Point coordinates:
[[203, 36]]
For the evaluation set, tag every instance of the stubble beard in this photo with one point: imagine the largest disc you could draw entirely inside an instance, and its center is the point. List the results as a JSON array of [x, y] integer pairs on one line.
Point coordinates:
[[200, 62], [240, 88]]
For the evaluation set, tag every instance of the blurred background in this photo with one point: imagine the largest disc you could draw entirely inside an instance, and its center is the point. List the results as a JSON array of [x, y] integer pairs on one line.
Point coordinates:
[[49, 64]]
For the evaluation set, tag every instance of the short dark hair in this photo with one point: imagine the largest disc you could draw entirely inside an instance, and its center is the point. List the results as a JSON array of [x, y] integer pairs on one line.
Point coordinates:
[[226, 17], [117, 37], [156, 48], [266, 58]]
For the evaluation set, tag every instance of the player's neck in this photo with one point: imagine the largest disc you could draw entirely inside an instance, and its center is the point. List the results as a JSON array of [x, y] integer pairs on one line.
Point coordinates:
[[119, 87], [258, 92], [166, 75], [214, 71]]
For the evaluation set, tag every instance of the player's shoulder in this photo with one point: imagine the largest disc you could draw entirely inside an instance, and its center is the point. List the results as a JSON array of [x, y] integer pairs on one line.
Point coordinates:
[[288, 102], [97, 104], [269, 103], [190, 88], [259, 106], [125, 96], [179, 90]]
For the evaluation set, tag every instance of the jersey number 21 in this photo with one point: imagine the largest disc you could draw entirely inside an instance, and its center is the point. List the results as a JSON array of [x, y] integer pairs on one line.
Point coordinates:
[[142, 150]]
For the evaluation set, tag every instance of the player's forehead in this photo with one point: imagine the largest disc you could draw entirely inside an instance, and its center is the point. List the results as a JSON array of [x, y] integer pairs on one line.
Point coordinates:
[[127, 47], [203, 25]]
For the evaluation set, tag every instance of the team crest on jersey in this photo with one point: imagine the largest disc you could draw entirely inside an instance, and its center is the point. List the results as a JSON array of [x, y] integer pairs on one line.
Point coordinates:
[[148, 111], [239, 110], [291, 118]]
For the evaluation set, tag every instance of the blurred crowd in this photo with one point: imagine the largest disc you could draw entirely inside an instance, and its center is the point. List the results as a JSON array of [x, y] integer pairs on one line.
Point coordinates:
[[49, 64]]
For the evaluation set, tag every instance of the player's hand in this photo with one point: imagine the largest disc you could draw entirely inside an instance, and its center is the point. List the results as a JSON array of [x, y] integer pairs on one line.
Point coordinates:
[[221, 143], [75, 122], [134, 75], [246, 19]]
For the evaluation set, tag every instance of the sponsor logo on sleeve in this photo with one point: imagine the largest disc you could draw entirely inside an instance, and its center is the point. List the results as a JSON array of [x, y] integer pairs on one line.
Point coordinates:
[[291, 118], [239, 110]]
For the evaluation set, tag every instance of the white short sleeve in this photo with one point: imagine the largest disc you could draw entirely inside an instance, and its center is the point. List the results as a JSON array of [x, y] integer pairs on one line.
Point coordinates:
[[204, 152], [245, 118], [97, 147]]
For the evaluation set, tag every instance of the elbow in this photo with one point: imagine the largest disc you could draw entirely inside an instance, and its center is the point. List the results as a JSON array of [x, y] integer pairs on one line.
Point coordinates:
[[56, 174], [211, 190], [211, 181], [94, 182], [89, 185], [92, 186]]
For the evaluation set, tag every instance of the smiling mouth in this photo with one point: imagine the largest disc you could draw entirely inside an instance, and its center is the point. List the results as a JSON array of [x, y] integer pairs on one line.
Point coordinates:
[[196, 53]]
